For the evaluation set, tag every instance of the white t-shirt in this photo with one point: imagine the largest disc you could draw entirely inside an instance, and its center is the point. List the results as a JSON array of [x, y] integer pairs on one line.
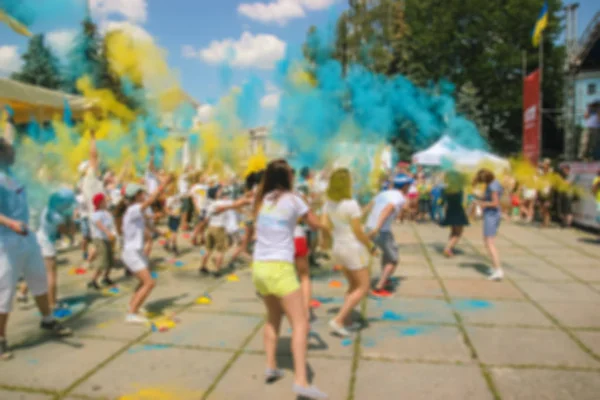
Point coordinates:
[[218, 220], [115, 196], [90, 186], [183, 185], [134, 224], [275, 227], [340, 214], [199, 194], [151, 182], [106, 219], [231, 224], [174, 205], [382, 200]]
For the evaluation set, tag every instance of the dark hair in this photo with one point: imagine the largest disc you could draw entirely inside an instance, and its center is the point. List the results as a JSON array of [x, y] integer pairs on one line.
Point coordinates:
[[253, 179], [277, 176], [213, 192], [7, 152], [484, 176], [305, 172]]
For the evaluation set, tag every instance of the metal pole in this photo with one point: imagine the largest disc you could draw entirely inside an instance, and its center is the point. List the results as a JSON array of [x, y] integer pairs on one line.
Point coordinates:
[[541, 70]]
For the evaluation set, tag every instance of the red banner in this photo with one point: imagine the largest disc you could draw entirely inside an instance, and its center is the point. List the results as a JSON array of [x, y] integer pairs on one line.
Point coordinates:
[[531, 117]]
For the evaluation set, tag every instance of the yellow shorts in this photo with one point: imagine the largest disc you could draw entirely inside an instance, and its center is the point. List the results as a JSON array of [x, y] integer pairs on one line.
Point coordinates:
[[274, 278]]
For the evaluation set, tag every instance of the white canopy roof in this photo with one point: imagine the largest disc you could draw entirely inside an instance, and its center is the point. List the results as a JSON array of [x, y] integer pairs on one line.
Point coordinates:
[[447, 149]]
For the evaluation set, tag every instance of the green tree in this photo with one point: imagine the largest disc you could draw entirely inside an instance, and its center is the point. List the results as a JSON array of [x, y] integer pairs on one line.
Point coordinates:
[[40, 65], [84, 59]]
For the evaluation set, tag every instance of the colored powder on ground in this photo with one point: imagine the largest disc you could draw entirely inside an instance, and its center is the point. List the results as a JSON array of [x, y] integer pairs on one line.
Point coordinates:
[[147, 347], [163, 324], [346, 342], [389, 315], [471, 305], [232, 278], [314, 303], [203, 300], [61, 313], [179, 263], [163, 394], [335, 284], [413, 331], [154, 275], [368, 342]]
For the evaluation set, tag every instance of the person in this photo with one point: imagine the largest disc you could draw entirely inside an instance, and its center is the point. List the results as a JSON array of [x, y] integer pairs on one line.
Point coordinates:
[[216, 233], [528, 203], [174, 206], [103, 231], [596, 192], [20, 254], [199, 193], [492, 215], [277, 210], [90, 185], [424, 198], [454, 216], [382, 211], [352, 247], [545, 193], [565, 196], [53, 217], [134, 258], [187, 206]]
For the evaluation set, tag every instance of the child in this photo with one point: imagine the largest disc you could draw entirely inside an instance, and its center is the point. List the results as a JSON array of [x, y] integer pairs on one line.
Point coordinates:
[[216, 234], [174, 206], [103, 231], [134, 228]]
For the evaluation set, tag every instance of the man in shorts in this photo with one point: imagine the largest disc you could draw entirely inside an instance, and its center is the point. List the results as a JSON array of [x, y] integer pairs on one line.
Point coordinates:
[[382, 211]]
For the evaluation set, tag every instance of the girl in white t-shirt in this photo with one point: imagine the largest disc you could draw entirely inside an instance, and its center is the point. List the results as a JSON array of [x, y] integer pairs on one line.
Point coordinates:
[[352, 247], [134, 227], [277, 210]]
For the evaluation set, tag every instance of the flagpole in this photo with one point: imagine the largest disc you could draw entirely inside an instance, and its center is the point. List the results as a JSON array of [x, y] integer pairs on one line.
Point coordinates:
[[541, 70]]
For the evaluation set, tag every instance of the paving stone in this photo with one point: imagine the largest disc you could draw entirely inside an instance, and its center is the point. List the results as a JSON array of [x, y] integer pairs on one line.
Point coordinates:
[[160, 372], [208, 330], [321, 342], [537, 273], [574, 315], [10, 395], [245, 379], [419, 288], [409, 310], [403, 341], [500, 312], [591, 340], [419, 382], [568, 292], [482, 289], [588, 274], [54, 365], [232, 300], [516, 346], [526, 384], [109, 323], [464, 270], [413, 271]]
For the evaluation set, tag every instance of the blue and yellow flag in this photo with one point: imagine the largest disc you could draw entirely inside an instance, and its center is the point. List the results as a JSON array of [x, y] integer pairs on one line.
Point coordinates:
[[14, 24], [540, 25]]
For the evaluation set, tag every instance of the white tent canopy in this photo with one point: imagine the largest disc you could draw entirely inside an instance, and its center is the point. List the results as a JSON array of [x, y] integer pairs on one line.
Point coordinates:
[[447, 149]]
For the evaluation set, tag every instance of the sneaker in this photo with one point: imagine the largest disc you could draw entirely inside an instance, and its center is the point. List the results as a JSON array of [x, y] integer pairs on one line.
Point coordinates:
[[107, 282], [380, 293], [497, 275], [136, 319], [204, 271], [5, 354], [93, 285], [310, 392], [217, 274], [338, 329], [56, 327], [272, 375]]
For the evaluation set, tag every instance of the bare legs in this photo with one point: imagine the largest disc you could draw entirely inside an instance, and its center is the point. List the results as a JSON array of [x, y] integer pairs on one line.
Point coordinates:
[[143, 290], [303, 269], [358, 287], [50, 263], [455, 235]]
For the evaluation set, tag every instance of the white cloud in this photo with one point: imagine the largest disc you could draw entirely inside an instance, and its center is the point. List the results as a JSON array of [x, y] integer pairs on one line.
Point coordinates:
[[270, 100], [132, 10], [250, 51], [134, 31], [10, 61], [281, 11], [205, 113], [61, 41]]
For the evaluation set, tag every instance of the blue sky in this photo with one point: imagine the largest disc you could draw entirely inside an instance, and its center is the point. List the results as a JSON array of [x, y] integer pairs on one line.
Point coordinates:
[[197, 33]]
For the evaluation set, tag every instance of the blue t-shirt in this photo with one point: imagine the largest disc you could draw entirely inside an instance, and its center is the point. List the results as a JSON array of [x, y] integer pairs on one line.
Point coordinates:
[[13, 202], [494, 186], [50, 220]]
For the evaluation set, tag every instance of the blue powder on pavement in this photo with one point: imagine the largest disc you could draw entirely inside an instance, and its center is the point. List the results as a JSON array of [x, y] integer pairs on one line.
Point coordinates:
[[62, 313], [346, 342], [389, 315], [368, 342], [148, 347], [154, 275], [328, 300], [412, 331], [32, 362], [179, 263], [113, 290], [469, 305]]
